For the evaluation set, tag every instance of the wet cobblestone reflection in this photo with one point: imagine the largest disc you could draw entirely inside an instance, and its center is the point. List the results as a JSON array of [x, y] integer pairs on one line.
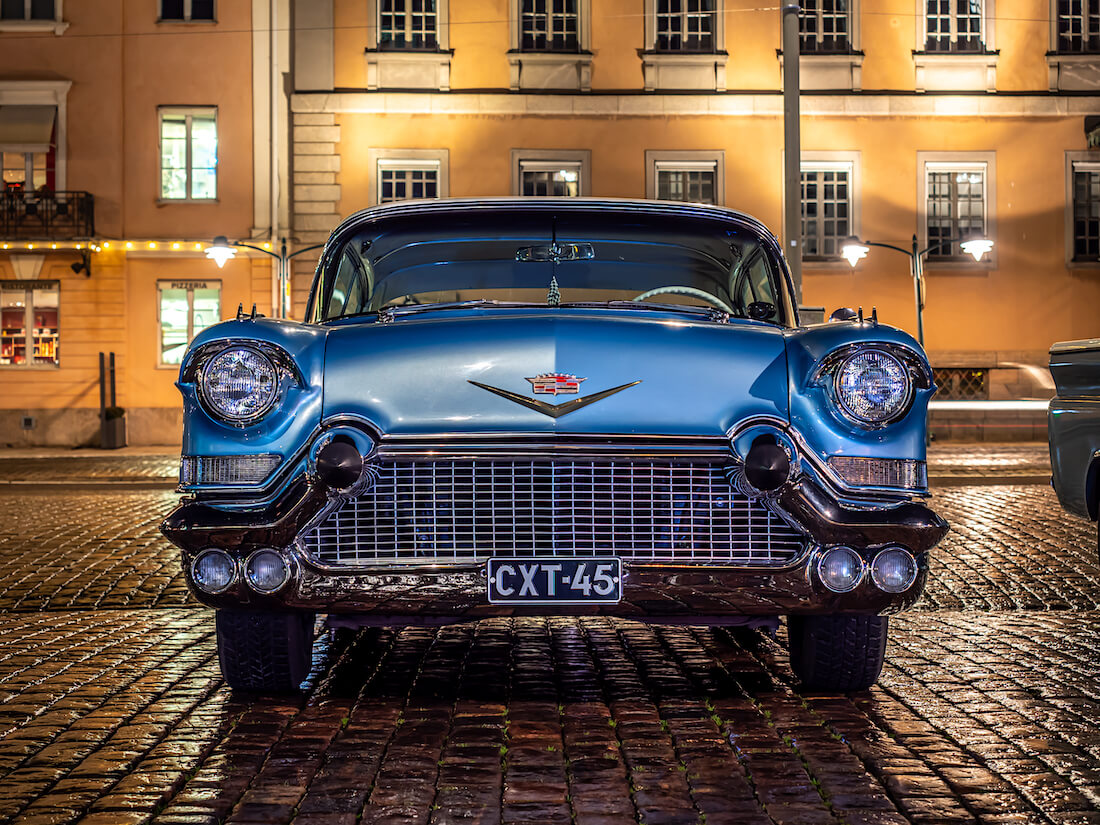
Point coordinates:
[[112, 709]]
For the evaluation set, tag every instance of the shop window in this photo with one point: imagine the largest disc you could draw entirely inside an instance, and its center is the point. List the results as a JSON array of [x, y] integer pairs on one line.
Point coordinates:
[[186, 9], [188, 154], [186, 308], [825, 27], [29, 330], [407, 24], [826, 209]]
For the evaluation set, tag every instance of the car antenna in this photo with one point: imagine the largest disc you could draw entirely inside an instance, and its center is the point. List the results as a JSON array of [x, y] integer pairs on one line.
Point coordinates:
[[553, 296]]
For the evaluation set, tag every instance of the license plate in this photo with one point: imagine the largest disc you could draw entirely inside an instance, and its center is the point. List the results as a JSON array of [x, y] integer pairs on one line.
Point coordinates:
[[555, 580]]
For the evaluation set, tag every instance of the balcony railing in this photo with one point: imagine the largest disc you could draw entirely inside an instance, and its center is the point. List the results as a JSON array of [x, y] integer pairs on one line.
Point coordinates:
[[46, 215]]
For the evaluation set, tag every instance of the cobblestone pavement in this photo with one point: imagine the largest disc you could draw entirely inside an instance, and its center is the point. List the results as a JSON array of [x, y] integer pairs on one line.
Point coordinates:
[[112, 709]]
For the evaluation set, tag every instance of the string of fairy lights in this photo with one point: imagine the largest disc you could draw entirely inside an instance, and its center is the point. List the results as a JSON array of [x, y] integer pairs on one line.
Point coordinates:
[[15, 247]]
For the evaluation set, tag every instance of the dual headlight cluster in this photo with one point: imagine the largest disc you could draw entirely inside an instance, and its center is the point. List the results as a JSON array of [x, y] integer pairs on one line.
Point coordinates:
[[239, 384], [870, 386]]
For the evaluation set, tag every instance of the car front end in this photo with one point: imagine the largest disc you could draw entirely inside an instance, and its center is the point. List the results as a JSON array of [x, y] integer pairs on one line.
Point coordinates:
[[421, 461]]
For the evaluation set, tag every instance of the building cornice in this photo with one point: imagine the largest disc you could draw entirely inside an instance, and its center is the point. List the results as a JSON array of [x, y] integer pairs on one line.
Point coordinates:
[[730, 104]]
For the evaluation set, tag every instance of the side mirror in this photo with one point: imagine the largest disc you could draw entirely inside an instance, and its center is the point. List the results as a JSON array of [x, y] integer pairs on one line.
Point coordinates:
[[761, 310]]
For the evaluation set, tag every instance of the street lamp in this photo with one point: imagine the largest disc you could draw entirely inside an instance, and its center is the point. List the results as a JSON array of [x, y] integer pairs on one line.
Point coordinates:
[[855, 250], [222, 249]]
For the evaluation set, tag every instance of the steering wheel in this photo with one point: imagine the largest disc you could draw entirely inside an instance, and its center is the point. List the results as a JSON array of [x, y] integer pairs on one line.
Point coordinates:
[[687, 290]]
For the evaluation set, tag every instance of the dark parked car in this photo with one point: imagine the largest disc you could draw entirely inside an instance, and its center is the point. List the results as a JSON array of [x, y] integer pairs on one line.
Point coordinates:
[[542, 407], [1073, 425]]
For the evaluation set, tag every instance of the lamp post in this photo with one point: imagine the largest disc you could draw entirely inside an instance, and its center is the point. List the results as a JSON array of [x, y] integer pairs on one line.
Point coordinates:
[[854, 250], [222, 249]]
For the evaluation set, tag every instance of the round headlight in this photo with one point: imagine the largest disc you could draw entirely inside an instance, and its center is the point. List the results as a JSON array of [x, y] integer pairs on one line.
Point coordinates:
[[240, 384], [873, 387], [213, 570], [894, 570]]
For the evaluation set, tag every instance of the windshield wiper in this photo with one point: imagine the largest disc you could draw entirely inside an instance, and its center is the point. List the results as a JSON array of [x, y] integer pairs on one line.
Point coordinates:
[[387, 314], [713, 313]]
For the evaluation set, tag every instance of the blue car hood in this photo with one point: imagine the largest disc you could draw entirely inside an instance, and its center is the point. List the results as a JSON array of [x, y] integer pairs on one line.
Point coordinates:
[[413, 376]]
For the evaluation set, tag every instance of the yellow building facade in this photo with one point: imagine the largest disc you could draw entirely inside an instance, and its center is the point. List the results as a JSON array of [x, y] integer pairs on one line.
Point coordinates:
[[183, 120], [129, 140]]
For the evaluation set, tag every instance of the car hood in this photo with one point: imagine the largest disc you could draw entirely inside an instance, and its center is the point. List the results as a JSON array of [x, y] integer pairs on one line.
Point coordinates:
[[686, 376]]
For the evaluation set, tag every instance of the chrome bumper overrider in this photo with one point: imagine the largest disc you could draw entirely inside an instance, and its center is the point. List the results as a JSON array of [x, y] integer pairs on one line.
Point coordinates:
[[456, 590]]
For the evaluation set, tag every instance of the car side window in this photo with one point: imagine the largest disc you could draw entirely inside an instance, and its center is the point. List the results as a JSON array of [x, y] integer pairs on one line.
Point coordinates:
[[348, 286]]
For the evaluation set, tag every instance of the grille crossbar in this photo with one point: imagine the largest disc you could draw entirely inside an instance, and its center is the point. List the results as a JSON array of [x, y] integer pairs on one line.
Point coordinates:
[[643, 509]]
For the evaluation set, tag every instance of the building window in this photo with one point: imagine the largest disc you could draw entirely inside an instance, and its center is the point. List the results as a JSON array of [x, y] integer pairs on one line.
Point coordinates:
[[955, 204], [186, 9], [186, 308], [685, 26], [188, 154], [953, 26], [29, 324], [691, 177], [824, 27], [545, 178], [407, 24], [407, 180], [1078, 26], [1086, 212], [826, 209], [550, 26], [27, 10], [27, 171]]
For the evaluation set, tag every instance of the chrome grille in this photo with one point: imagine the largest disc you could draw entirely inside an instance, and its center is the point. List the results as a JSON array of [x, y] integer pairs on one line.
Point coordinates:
[[466, 509]]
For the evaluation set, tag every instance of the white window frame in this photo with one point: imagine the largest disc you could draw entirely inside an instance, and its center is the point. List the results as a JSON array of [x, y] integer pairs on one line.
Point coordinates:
[[1085, 162], [986, 162], [186, 14], [409, 68], [853, 32], [57, 25], [956, 71], [29, 286], [407, 159], [442, 28], [163, 283], [657, 160], [1055, 16], [545, 70], [719, 29], [837, 162], [189, 111], [537, 160], [988, 19]]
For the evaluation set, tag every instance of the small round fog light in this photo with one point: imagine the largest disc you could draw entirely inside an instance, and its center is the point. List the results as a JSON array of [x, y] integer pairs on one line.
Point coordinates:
[[894, 570], [266, 571], [213, 571], [840, 569]]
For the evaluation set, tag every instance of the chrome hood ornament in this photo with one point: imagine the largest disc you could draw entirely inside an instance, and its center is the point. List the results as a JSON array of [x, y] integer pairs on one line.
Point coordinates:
[[554, 410], [556, 383]]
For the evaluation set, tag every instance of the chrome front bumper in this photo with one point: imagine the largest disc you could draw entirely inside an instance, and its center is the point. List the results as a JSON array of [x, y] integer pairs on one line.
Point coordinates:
[[703, 593]]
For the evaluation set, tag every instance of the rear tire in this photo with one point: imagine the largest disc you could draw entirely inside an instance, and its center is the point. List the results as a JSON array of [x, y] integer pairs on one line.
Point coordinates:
[[266, 652], [837, 654]]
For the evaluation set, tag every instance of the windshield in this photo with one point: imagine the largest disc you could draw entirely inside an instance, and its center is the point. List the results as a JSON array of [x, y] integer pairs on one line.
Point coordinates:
[[539, 258]]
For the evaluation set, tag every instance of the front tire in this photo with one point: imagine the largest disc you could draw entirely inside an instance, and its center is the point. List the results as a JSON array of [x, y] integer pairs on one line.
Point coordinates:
[[266, 652], [837, 654]]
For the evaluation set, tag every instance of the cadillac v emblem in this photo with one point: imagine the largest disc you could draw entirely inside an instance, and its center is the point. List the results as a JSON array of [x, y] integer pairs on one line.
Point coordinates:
[[556, 383]]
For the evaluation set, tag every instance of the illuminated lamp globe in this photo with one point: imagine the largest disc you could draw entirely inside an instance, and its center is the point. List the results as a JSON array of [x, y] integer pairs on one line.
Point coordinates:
[[977, 247], [220, 251], [854, 251]]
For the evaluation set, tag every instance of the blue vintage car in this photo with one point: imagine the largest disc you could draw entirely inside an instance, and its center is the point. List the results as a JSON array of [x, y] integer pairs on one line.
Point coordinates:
[[542, 407]]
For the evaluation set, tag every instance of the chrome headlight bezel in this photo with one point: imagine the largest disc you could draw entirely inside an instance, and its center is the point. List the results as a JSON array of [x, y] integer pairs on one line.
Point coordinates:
[[195, 371], [911, 365], [845, 405]]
